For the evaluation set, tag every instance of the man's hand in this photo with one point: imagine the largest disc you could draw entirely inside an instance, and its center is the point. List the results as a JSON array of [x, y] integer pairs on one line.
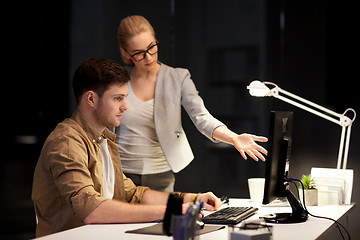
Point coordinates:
[[211, 202], [245, 143]]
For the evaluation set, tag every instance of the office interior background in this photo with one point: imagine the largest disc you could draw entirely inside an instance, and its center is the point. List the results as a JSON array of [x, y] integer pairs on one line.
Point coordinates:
[[309, 48]]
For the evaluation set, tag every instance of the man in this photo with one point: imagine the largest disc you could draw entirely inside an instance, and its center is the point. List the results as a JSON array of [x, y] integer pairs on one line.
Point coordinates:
[[78, 178]]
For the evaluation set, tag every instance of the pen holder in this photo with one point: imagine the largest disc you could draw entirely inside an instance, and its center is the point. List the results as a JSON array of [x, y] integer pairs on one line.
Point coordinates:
[[182, 227], [173, 208]]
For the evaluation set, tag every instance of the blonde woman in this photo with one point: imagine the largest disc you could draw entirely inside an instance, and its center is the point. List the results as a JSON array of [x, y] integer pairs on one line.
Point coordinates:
[[151, 140]]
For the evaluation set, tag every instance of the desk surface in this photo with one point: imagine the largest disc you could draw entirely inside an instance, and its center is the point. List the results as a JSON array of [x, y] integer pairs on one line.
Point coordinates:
[[311, 229]]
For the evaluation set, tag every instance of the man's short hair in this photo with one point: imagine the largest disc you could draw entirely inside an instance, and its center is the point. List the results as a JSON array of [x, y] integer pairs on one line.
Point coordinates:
[[98, 75]]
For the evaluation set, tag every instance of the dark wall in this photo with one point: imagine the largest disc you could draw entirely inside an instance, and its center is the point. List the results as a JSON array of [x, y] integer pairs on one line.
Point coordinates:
[[35, 98], [225, 45], [314, 58]]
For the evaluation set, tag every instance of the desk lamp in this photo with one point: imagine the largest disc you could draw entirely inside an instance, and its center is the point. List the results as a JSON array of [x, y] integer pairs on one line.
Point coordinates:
[[259, 89]]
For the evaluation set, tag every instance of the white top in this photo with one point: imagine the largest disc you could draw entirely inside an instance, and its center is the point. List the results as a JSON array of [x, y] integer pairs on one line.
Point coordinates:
[[139, 147], [108, 169], [174, 89]]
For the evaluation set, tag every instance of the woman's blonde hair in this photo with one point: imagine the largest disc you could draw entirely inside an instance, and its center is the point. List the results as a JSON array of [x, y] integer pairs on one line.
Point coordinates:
[[128, 28]]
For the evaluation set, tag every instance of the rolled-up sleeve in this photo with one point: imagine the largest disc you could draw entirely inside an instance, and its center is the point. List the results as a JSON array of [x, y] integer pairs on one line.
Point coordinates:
[[134, 193]]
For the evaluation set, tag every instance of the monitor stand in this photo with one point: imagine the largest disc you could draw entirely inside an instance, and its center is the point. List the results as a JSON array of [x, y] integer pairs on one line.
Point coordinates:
[[278, 202], [299, 214]]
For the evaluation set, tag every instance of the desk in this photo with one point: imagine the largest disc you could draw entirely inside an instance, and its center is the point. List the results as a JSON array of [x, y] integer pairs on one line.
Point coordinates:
[[313, 228]]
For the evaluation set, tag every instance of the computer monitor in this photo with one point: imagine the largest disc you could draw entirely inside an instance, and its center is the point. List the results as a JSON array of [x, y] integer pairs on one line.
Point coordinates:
[[277, 169]]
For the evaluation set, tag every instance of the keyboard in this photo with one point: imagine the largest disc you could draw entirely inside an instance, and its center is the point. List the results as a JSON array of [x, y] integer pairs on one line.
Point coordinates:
[[229, 215]]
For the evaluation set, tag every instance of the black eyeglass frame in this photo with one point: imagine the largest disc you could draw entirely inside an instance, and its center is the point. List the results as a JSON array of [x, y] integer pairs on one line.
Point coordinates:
[[144, 52]]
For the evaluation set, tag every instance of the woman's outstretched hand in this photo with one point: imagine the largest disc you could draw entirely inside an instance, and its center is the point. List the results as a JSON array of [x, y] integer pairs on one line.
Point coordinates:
[[246, 143]]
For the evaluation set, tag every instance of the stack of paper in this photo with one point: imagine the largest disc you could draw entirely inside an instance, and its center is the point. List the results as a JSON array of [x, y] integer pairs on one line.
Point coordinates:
[[334, 185]]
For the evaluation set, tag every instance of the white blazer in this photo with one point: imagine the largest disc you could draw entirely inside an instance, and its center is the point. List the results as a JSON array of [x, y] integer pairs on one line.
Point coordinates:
[[174, 88]]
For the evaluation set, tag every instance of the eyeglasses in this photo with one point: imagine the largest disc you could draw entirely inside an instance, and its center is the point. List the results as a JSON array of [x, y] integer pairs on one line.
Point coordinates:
[[141, 55]]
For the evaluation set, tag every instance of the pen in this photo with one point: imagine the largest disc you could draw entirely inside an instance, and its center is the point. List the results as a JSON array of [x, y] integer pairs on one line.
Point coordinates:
[[224, 200]]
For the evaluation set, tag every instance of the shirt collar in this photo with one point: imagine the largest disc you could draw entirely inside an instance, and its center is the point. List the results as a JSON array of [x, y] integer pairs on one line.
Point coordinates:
[[94, 135]]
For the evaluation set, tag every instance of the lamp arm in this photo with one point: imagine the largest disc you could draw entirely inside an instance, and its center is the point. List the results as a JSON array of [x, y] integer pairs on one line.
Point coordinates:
[[299, 105], [346, 127], [340, 119], [310, 103], [347, 143], [341, 148]]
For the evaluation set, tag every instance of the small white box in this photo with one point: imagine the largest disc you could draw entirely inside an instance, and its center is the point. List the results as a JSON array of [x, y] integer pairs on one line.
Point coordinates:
[[250, 235]]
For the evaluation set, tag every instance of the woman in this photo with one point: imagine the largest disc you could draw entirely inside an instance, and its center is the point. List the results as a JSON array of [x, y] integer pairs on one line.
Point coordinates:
[[151, 139]]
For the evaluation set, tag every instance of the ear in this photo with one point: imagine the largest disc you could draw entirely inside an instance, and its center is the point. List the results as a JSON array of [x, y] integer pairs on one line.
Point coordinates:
[[91, 98], [124, 53]]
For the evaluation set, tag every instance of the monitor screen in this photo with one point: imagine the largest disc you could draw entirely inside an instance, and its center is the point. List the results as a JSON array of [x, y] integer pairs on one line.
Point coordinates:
[[277, 162]]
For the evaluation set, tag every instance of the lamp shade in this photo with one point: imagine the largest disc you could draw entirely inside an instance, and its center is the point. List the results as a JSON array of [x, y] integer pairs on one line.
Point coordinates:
[[258, 89]]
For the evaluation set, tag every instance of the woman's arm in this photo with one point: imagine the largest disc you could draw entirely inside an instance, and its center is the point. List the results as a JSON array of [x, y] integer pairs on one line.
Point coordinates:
[[244, 143], [206, 123]]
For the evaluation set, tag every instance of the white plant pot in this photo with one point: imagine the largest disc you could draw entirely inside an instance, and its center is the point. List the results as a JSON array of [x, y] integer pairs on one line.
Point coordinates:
[[311, 197]]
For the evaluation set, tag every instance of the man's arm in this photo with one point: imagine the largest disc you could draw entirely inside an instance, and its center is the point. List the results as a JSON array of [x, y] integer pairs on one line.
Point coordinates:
[[153, 197], [152, 208], [113, 211]]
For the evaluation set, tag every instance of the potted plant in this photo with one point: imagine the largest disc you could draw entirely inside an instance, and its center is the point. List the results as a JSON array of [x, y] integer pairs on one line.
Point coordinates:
[[311, 193]]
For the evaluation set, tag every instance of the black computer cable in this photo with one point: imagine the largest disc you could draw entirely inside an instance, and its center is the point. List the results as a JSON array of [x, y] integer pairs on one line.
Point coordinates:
[[338, 224]]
